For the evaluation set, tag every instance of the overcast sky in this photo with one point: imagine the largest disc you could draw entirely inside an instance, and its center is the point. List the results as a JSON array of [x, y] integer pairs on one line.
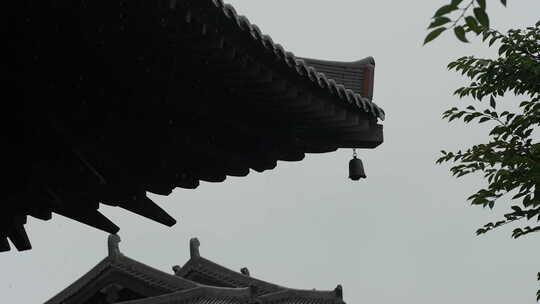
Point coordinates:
[[404, 235]]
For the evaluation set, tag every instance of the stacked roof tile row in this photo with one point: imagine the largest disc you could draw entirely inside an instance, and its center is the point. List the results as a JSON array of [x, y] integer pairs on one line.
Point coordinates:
[[337, 83]]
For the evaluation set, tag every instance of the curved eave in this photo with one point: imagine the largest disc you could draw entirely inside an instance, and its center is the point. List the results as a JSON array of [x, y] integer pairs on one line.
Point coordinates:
[[152, 277], [216, 11], [298, 296], [200, 295], [265, 291], [204, 267]]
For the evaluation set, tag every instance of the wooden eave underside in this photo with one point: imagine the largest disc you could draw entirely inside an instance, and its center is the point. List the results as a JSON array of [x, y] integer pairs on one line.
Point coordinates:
[[125, 97]]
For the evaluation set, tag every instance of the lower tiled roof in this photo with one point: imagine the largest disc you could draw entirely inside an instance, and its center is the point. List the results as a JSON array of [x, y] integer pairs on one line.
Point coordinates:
[[201, 270], [116, 261], [181, 290], [217, 295], [295, 296], [200, 295], [205, 271]]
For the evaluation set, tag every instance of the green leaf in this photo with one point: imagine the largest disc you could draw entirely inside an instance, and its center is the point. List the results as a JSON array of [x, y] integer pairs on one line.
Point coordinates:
[[473, 24], [460, 33], [503, 48], [445, 10], [468, 118], [516, 209], [482, 4], [519, 195], [451, 65], [434, 34], [492, 102], [503, 2], [481, 16], [456, 2], [485, 34], [484, 119], [439, 21]]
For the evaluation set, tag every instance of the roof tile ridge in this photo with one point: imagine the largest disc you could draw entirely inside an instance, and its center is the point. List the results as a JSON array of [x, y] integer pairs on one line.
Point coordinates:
[[227, 291], [201, 290], [343, 92], [198, 263], [151, 274], [353, 64], [165, 298], [305, 293], [244, 25]]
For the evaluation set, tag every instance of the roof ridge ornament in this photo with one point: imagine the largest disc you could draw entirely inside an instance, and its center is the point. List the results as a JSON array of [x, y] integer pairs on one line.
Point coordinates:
[[194, 248], [113, 242], [244, 271], [339, 291]]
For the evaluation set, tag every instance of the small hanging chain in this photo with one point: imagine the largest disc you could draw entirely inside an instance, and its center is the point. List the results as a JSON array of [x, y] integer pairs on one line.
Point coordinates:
[[354, 153]]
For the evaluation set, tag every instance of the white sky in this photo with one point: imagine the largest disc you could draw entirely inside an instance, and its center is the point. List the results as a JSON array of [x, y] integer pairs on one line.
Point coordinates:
[[403, 235]]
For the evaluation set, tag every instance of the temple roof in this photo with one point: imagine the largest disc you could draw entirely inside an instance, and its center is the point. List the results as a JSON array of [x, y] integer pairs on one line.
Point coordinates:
[[121, 98], [201, 295], [345, 79], [204, 271], [118, 272], [356, 76], [117, 263], [213, 295]]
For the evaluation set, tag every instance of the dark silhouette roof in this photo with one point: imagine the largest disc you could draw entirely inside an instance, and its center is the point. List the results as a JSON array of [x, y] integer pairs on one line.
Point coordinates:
[[120, 98], [337, 77], [148, 285]]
